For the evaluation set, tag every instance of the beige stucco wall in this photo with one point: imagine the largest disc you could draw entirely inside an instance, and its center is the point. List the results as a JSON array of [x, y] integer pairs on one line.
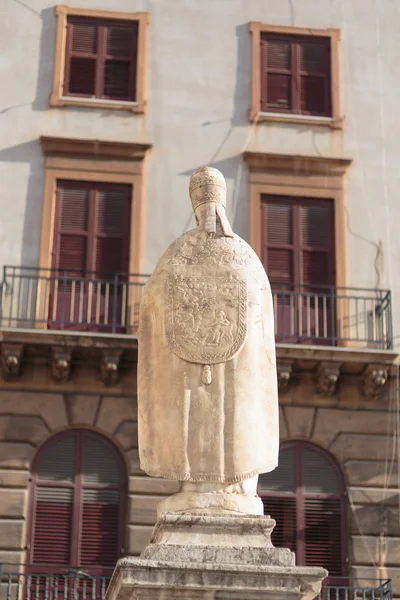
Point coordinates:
[[198, 102]]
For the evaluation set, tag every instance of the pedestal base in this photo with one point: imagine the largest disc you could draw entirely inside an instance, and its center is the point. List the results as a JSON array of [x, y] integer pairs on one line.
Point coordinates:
[[213, 557]]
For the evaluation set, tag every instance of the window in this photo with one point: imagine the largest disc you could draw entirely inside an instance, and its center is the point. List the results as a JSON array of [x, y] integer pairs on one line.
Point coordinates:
[[77, 504], [298, 241], [295, 75], [297, 228], [91, 235], [305, 496], [91, 255], [100, 59]]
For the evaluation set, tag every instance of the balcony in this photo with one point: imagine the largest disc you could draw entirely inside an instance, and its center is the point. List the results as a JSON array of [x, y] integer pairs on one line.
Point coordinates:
[[19, 582], [109, 304]]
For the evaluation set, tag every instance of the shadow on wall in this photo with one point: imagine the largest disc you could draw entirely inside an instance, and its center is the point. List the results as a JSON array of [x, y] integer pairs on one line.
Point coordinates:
[[233, 167], [46, 59], [30, 153]]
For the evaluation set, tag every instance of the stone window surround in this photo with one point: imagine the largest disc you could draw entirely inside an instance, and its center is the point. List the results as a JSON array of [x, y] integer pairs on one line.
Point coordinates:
[[256, 116], [97, 161], [56, 96], [303, 176]]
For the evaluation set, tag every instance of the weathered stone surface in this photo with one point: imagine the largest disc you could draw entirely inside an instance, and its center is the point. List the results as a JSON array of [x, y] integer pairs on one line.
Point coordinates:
[[369, 473], [12, 560], [50, 407], [329, 422], [197, 581], [23, 429], [151, 485], [143, 509], [15, 455], [373, 520], [375, 550], [362, 446], [13, 503], [12, 534], [127, 434], [138, 538], [82, 408], [373, 496], [133, 463], [114, 410], [299, 420]]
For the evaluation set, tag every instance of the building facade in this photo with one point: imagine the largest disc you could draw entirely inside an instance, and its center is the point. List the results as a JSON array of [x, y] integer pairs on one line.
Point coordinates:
[[107, 107]]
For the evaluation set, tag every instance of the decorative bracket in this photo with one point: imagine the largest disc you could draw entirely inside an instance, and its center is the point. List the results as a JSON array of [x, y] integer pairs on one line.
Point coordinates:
[[61, 364], [375, 377], [327, 377], [11, 360], [284, 370], [109, 370]]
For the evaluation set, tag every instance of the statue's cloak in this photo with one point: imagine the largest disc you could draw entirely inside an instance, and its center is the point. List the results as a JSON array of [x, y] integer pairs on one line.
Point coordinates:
[[207, 384]]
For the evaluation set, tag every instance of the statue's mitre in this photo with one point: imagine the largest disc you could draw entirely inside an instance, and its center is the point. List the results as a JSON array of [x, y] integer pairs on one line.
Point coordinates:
[[207, 185]]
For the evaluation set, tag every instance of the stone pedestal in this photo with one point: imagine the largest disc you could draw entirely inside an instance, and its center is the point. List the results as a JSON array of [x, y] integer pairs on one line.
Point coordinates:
[[205, 556]]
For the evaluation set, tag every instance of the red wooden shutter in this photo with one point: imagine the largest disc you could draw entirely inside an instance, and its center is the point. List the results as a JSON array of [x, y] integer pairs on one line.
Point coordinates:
[[112, 229], [120, 62], [72, 235], [100, 533], [276, 79], [81, 57], [53, 504], [101, 59], [277, 239], [315, 79], [305, 496], [295, 74], [317, 253], [78, 503]]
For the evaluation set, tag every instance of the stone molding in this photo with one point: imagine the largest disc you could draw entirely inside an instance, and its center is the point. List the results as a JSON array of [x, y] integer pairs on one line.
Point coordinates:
[[284, 370], [110, 366], [11, 355], [327, 377], [61, 363], [375, 377]]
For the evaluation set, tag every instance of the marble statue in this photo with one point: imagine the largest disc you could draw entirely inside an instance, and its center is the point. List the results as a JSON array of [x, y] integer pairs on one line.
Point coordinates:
[[207, 384]]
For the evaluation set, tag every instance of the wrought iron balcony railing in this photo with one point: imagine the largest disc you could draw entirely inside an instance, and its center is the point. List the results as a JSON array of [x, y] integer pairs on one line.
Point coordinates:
[[109, 303], [20, 582]]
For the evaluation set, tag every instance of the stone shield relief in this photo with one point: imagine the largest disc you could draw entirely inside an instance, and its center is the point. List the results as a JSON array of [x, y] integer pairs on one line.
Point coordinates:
[[206, 317]]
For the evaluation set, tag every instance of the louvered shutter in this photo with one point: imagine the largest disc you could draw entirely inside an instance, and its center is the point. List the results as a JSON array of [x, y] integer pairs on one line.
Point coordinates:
[[315, 80], [305, 496], [295, 74], [276, 60], [81, 58], [277, 239], [53, 504], [73, 228], [101, 505], [317, 264], [278, 492], [120, 62], [323, 544], [78, 504]]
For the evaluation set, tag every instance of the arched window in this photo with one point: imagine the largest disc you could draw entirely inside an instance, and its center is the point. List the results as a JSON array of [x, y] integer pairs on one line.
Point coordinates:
[[305, 494], [77, 503]]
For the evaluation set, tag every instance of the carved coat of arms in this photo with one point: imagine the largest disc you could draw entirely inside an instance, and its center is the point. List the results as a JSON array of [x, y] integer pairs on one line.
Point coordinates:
[[206, 317]]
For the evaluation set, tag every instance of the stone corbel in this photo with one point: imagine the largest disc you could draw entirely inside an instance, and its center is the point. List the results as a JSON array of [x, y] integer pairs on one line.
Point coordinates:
[[327, 377], [11, 360], [284, 370], [61, 364], [375, 377], [109, 370]]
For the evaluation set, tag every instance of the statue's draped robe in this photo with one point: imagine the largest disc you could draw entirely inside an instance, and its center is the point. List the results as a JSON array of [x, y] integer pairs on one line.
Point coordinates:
[[226, 431]]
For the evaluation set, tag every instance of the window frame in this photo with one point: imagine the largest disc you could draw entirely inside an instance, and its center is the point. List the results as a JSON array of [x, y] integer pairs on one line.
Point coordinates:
[[299, 176], [57, 97], [300, 496], [335, 121], [77, 485], [100, 162]]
